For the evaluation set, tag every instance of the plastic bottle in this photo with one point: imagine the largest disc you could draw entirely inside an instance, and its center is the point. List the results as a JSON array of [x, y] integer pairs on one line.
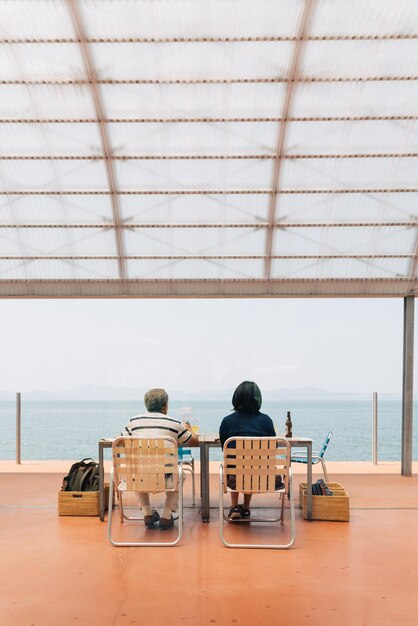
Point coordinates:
[[289, 426]]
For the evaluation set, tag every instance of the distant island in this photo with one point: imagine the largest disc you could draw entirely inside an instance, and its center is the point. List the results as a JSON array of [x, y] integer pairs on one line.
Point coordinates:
[[95, 392]]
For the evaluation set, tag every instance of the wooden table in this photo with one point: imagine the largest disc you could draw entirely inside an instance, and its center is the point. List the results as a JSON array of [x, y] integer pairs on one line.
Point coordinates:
[[211, 440], [207, 441]]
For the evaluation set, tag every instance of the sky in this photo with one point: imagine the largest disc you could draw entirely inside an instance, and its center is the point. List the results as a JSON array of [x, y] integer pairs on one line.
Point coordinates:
[[339, 345]]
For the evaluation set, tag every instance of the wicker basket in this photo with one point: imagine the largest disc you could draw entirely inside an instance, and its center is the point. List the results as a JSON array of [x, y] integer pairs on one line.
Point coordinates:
[[335, 508], [85, 503]]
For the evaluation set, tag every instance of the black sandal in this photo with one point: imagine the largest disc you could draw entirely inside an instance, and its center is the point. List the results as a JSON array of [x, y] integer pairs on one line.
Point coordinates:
[[234, 513], [245, 513]]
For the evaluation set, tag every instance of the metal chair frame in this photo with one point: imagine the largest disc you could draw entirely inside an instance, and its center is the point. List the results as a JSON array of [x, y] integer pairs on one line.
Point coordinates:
[[317, 457], [255, 462], [143, 465], [188, 466]]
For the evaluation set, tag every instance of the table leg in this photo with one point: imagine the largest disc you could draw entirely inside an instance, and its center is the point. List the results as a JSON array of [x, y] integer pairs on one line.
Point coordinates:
[[101, 484], [204, 482], [309, 476]]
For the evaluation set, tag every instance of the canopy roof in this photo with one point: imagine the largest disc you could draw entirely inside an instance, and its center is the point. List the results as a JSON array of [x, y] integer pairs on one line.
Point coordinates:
[[208, 148]]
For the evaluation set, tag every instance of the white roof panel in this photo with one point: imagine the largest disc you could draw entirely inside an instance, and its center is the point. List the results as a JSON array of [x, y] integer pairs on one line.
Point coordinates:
[[356, 98], [208, 148], [190, 18], [50, 140], [359, 59], [355, 17], [207, 100]]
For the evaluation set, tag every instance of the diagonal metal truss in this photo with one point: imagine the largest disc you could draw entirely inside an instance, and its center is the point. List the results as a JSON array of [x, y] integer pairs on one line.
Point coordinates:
[[281, 140], [92, 81]]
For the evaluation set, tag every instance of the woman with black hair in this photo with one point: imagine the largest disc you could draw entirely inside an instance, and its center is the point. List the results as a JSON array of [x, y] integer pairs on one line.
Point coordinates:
[[246, 421]]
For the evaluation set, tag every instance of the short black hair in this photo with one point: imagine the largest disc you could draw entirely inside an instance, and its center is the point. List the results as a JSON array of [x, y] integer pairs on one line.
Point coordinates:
[[247, 398]]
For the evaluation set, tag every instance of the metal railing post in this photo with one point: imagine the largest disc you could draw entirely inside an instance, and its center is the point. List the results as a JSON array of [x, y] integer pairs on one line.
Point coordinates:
[[18, 430], [375, 416]]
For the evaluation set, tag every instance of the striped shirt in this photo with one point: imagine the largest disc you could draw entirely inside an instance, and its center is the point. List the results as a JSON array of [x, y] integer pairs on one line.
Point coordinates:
[[157, 425]]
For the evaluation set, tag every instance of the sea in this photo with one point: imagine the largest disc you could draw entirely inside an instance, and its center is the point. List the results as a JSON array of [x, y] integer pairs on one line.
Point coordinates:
[[60, 430]]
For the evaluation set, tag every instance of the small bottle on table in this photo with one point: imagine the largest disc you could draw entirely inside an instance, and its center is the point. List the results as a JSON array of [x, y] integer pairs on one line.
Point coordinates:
[[289, 426]]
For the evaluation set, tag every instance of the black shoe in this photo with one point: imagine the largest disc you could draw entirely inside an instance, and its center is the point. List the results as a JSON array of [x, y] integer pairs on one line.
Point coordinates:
[[234, 513], [245, 513], [165, 523], [150, 520]]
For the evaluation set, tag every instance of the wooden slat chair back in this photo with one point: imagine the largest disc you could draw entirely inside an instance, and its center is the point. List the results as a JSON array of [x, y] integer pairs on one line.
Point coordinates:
[[254, 465], [144, 465]]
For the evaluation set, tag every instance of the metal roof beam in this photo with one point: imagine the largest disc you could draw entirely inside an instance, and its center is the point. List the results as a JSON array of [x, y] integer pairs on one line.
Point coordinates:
[[251, 225], [205, 157], [204, 192], [208, 120], [226, 288], [206, 257], [211, 81], [156, 40]]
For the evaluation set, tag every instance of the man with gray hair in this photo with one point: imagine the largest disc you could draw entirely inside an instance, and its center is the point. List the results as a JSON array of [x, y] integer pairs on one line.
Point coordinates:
[[156, 422]]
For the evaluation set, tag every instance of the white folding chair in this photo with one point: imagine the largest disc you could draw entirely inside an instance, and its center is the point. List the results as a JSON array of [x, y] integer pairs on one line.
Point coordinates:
[[255, 463], [145, 465]]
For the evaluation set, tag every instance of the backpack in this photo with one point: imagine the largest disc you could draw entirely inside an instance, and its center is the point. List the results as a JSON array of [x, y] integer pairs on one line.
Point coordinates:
[[320, 488], [82, 477]]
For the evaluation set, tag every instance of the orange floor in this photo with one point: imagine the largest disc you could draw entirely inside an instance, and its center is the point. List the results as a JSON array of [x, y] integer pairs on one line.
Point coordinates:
[[61, 570]]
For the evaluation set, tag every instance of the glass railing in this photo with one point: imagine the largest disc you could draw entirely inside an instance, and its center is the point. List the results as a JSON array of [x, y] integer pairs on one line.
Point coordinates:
[[71, 429]]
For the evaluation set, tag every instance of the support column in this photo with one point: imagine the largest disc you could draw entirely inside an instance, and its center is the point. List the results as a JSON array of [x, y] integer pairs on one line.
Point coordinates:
[[407, 386]]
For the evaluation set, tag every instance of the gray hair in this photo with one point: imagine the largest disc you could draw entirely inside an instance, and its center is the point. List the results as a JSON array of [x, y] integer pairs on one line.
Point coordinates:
[[155, 400]]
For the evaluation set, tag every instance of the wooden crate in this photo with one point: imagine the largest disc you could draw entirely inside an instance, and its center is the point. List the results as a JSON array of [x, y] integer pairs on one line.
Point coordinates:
[[81, 502], [335, 508]]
